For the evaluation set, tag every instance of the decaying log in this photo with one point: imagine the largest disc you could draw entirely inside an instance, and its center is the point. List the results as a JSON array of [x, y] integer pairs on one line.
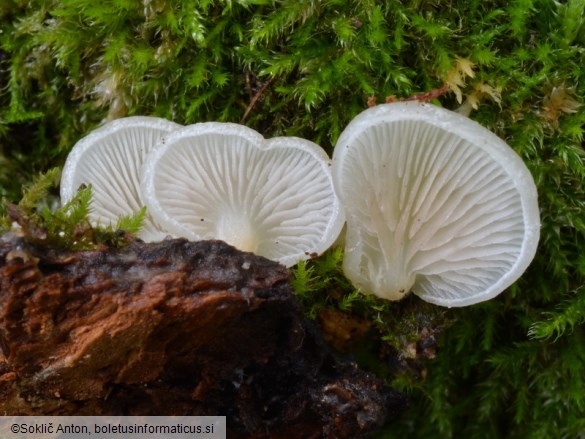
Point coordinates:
[[174, 328]]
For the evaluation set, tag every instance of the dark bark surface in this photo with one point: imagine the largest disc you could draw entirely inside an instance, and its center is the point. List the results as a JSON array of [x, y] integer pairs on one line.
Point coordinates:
[[174, 328]]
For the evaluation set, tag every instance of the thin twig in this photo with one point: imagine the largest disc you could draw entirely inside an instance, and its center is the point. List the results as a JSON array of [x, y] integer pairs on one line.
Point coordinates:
[[421, 97], [255, 100], [425, 97]]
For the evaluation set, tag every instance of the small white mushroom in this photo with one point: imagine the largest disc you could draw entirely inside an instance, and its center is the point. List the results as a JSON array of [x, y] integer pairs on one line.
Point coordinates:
[[435, 204], [110, 159], [225, 181]]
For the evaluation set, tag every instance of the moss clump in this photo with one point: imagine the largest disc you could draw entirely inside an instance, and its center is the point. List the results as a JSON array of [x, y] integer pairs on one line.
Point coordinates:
[[41, 221], [513, 367]]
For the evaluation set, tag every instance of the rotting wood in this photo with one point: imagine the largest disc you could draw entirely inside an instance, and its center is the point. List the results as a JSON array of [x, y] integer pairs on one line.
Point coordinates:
[[174, 328]]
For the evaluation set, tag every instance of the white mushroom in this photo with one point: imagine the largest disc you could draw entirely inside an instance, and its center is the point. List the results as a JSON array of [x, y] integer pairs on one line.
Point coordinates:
[[110, 159], [435, 204], [225, 181]]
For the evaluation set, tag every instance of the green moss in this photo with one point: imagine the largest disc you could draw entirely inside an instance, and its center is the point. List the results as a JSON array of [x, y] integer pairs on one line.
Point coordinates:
[[42, 222], [513, 367]]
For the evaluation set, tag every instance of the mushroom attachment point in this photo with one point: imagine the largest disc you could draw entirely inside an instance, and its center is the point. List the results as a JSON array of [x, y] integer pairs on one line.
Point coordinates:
[[224, 181], [110, 159], [435, 204]]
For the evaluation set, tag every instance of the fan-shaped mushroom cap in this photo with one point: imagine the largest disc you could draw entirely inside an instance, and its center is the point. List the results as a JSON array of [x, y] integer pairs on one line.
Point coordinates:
[[435, 203], [110, 159], [225, 181]]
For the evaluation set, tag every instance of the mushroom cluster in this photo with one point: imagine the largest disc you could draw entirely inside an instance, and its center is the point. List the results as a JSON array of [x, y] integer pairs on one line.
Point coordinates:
[[211, 181], [435, 203]]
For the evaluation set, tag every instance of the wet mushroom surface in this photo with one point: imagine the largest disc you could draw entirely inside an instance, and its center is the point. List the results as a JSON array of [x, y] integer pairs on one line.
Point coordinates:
[[435, 204], [110, 159], [273, 197]]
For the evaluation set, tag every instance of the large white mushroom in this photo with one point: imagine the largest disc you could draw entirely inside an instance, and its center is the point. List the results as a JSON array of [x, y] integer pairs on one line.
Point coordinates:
[[435, 204], [110, 159], [225, 181]]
